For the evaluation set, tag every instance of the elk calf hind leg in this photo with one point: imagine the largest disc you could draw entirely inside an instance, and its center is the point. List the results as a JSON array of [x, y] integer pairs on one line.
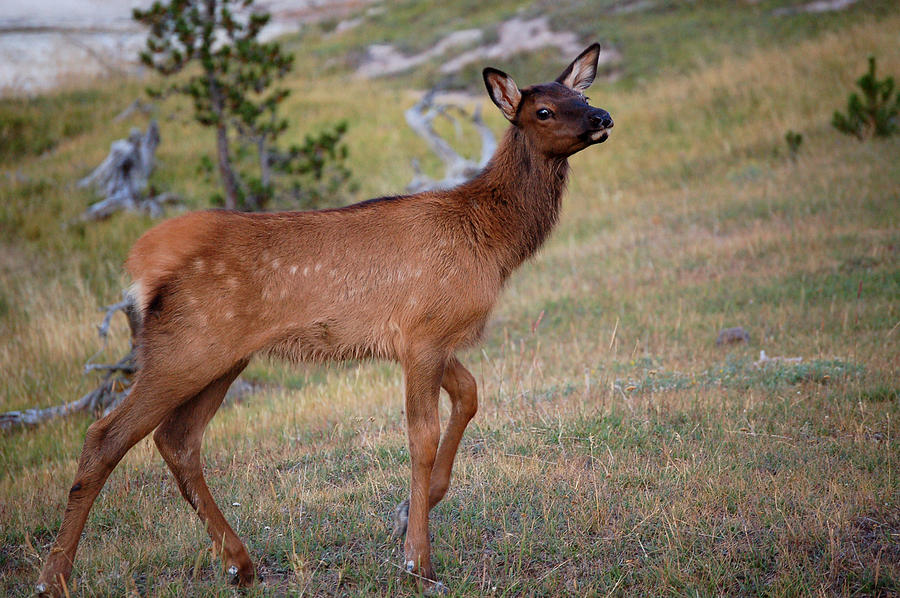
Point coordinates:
[[460, 386], [179, 439], [106, 442]]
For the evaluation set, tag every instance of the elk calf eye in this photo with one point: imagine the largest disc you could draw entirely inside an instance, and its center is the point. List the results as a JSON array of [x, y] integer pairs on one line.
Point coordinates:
[[543, 114]]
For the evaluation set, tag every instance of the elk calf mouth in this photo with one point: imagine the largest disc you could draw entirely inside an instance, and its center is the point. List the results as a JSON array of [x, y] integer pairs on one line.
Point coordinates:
[[592, 137]]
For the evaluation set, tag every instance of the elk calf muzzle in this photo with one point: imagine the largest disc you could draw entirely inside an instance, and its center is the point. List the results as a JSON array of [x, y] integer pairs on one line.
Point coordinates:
[[601, 119]]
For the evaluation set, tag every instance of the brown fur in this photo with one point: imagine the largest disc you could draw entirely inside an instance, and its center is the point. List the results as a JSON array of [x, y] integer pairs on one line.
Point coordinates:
[[411, 279]]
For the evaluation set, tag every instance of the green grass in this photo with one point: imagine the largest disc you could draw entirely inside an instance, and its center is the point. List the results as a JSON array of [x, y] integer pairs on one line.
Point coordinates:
[[617, 451], [31, 127]]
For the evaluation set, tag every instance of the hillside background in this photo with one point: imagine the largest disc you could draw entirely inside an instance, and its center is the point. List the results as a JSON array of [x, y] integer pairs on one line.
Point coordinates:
[[618, 451]]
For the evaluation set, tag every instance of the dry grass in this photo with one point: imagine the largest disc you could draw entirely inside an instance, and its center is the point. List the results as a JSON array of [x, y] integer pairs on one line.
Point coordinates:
[[617, 451]]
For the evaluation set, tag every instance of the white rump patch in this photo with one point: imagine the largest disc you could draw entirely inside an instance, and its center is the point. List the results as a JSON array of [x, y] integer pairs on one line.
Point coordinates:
[[137, 293]]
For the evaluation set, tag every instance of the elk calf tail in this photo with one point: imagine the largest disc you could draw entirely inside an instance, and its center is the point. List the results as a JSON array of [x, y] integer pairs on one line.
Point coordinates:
[[165, 249]]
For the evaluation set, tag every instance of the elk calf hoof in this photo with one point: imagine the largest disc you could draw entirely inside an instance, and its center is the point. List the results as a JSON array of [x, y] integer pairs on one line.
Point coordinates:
[[48, 590], [436, 588], [401, 519], [240, 577], [428, 586]]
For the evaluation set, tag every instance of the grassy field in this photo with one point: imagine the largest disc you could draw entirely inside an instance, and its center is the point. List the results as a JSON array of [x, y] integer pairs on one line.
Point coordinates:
[[617, 451]]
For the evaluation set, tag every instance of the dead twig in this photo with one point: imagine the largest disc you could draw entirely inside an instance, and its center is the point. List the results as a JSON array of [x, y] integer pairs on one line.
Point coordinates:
[[135, 106], [765, 359]]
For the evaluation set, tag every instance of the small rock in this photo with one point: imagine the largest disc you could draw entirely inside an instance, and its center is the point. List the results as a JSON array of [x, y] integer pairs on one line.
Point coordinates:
[[730, 336]]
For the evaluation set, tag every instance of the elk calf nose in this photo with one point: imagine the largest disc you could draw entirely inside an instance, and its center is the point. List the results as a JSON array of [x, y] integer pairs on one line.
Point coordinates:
[[601, 119]]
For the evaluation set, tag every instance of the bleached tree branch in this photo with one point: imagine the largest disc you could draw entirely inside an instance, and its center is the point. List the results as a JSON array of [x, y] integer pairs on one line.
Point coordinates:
[[457, 168]]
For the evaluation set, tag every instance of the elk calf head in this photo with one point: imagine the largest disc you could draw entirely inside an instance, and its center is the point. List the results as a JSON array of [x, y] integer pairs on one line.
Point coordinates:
[[556, 117]]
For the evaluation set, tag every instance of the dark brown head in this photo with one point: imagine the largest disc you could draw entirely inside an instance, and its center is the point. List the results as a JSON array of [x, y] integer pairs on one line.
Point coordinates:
[[555, 116]]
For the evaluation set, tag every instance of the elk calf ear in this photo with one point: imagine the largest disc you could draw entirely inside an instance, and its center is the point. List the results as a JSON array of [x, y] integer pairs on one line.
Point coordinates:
[[580, 74], [503, 91]]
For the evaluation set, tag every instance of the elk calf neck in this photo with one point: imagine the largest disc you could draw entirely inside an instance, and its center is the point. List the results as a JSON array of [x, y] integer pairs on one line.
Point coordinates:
[[411, 279]]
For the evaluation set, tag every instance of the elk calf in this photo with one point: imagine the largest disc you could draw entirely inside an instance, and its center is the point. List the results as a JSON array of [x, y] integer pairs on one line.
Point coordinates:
[[411, 279]]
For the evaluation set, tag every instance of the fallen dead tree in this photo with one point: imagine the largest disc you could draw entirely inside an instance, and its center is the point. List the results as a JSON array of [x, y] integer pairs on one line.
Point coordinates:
[[457, 168], [114, 385], [122, 177], [116, 382]]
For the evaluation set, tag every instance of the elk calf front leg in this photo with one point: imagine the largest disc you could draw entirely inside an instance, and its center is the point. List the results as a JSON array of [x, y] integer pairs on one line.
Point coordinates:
[[460, 385], [423, 379]]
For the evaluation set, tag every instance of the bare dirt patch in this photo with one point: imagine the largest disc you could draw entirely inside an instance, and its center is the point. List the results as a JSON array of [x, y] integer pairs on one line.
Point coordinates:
[[385, 59], [514, 36], [816, 7]]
